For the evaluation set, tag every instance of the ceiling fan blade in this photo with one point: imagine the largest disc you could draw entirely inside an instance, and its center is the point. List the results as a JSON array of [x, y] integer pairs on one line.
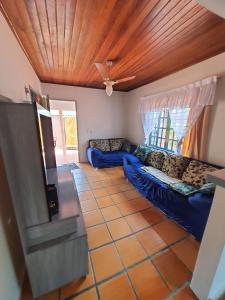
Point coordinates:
[[102, 70], [124, 79]]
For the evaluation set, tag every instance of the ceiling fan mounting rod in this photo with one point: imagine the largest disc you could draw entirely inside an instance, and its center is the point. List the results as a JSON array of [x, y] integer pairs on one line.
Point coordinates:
[[109, 63]]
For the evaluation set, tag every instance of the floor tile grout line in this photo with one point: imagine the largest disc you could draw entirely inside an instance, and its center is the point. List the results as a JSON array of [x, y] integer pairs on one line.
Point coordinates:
[[119, 239], [161, 276], [136, 231], [104, 221], [181, 261], [95, 280], [79, 292], [147, 258], [173, 293], [124, 268], [140, 210]]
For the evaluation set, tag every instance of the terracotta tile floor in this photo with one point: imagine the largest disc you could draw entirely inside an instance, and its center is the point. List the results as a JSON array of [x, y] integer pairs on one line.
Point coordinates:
[[104, 201], [136, 252]]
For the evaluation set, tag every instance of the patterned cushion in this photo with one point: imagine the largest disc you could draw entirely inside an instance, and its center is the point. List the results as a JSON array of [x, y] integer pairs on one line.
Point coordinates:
[[116, 144], [141, 152], [196, 172], [186, 189], [156, 159], [126, 146], [102, 144], [148, 159], [175, 165]]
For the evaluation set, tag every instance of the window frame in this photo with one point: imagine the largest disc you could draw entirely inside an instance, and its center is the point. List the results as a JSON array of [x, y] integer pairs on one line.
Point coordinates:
[[158, 133]]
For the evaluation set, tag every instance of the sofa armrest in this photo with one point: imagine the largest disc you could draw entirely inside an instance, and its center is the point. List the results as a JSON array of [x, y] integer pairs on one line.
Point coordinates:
[[131, 159], [201, 201], [92, 155]]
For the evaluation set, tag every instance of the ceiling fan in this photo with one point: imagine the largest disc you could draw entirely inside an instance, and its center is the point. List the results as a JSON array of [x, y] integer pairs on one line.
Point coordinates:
[[104, 71]]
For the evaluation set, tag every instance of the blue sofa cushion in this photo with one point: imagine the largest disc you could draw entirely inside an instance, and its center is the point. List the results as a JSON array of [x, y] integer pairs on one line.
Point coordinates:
[[200, 201]]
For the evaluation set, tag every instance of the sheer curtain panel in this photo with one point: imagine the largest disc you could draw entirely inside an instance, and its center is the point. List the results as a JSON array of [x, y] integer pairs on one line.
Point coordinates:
[[185, 105]]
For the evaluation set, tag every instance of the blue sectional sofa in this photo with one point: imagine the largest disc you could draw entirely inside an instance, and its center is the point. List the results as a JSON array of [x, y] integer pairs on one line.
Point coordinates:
[[189, 211], [106, 153]]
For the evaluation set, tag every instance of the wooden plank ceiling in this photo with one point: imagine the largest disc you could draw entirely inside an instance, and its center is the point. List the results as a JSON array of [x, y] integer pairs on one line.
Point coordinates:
[[146, 38]]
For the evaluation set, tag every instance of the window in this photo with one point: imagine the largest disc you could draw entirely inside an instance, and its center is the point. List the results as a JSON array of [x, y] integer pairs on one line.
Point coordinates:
[[163, 135]]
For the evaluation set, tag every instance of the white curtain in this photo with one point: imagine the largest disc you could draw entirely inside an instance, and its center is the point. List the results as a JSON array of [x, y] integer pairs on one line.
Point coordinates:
[[179, 120], [185, 104], [149, 121]]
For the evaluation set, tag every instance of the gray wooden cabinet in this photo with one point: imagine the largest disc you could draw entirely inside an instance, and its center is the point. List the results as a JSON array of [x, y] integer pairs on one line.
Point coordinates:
[[56, 250]]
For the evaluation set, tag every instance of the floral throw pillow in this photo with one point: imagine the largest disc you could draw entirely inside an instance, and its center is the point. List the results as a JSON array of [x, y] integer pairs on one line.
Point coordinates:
[[116, 144], [156, 159], [102, 144], [196, 173], [141, 152], [175, 165]]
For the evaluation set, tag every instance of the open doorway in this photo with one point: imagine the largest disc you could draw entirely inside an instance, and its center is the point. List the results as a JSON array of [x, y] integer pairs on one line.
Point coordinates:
[[64, 123]]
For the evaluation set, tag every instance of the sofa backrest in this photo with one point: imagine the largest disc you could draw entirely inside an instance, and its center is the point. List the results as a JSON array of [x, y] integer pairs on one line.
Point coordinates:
[[190, 171], [171, 153], [113, 144]]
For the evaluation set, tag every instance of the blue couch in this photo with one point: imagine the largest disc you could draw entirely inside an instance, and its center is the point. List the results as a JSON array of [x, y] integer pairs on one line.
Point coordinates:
[[106, 159], [189, 211]]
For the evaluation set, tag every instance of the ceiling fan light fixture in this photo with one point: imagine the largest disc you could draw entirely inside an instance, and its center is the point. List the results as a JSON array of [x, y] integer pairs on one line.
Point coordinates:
[[109, 89]]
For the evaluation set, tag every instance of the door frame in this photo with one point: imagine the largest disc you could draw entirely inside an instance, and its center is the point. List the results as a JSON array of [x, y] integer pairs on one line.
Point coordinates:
[[76, 109]]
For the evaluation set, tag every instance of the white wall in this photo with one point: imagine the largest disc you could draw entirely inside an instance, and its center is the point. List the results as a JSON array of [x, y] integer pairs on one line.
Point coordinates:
[[215, 65], [15, 73], [98, 115], [15, 70]]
